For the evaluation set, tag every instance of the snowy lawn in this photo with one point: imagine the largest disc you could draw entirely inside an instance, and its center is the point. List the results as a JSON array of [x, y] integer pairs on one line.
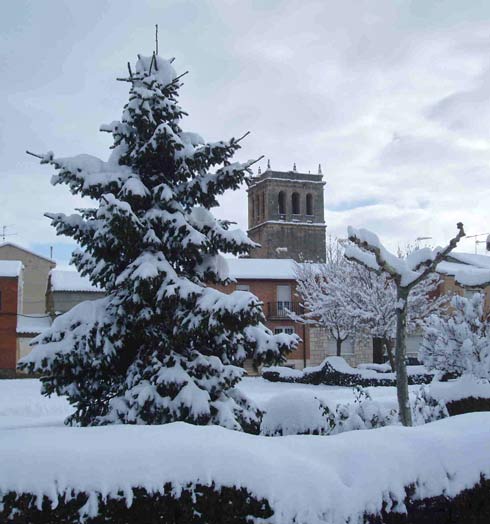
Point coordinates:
[[22, 405]]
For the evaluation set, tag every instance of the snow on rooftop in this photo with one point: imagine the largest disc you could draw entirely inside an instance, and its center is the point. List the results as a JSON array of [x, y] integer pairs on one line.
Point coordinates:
[[33, 324], [22, 248], [481, 261], [239, 269], [468, 269], [10, 268], [66, 280], [261, 268]]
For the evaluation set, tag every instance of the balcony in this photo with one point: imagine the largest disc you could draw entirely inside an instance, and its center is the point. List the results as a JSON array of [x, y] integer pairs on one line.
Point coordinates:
[[278, 310]]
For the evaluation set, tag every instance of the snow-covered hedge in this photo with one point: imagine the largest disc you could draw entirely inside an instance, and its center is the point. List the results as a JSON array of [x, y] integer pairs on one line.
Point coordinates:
[[335, 371], [466, 394], [300, 413], [168, 473]]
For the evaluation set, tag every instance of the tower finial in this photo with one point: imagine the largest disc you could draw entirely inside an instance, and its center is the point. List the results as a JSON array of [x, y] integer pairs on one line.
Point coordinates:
[[259, 171], [294, 167], [156, 39], [268, 163], [320, 169]]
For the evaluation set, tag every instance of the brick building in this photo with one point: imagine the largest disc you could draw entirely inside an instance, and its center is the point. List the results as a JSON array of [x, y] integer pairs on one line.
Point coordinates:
[[23, 282], [35, 276], [11, 282]]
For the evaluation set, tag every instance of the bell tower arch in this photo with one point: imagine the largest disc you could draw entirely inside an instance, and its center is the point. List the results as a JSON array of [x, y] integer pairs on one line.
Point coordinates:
[[286, 215]]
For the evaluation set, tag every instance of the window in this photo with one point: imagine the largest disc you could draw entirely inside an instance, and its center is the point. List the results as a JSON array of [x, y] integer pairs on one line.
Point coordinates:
[[295, 203], [283, 300], [285, 329], [257, 208], [281, 202], [309, 204], [263, 206], [242, 287]]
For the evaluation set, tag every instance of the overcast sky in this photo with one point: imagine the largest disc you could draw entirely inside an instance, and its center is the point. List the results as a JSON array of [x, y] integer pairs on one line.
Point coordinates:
[[391, 97]]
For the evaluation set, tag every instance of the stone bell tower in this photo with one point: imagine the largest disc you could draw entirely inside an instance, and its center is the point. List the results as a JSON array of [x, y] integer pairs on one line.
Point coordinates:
[[286, 216]]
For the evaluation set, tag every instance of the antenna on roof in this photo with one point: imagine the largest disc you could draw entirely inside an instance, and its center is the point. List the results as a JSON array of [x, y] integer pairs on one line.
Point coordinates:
[[156, 39], [294, 167], [259, 171], [478, 241], [5, 234]]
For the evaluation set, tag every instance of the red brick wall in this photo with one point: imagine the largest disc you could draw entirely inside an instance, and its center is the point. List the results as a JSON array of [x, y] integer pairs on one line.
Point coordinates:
[[266, 291], [8, 322]]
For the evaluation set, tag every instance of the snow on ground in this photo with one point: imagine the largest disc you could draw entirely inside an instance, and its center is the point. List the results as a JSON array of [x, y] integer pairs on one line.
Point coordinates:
[[22, 405]]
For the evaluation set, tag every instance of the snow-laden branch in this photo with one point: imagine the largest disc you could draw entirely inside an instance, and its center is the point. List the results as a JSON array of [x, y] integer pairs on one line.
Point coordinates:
[[370, 252]]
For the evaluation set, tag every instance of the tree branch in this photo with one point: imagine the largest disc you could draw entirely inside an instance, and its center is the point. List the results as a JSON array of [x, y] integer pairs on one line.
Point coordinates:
[[442, 255]]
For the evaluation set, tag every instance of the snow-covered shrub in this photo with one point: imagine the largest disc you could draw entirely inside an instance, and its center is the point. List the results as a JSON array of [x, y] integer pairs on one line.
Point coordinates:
[[162, 346], [363, 413], [296, 413], [427, 408], [459, 344], [300, 413]]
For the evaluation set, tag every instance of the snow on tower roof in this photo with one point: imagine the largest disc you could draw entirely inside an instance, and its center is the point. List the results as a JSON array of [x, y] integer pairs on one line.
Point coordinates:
[[10, 268], [66, 280], [22, 248]]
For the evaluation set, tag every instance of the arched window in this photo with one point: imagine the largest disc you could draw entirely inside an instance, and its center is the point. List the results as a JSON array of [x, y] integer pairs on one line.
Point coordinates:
[[257, 208], [281, 202], [309, 204], [295, 203], [263, 206]]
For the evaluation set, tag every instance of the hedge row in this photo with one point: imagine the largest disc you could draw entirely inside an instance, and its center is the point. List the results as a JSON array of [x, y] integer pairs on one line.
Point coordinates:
[[328, 375], [468, 405], [193, 505], [210, 505], [471, 506]]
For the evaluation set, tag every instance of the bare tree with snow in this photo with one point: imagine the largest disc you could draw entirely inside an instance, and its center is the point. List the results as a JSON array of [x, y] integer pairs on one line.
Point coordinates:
[[347, 299], [367, 250]]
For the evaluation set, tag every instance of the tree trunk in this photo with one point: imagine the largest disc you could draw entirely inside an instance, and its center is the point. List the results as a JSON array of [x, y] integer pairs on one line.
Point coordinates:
[[339, 347], [400, 357], [389, 349]]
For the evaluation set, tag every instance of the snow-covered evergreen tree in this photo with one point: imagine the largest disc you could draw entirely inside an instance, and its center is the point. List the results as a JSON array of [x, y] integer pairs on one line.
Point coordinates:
[[162, 346], [460, 344]]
